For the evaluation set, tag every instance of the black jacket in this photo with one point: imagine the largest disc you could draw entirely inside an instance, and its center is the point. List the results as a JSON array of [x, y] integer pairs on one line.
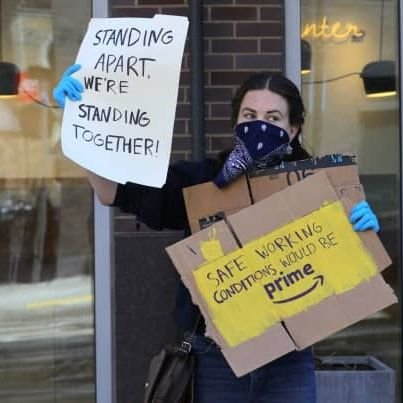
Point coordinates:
[[165, 209]]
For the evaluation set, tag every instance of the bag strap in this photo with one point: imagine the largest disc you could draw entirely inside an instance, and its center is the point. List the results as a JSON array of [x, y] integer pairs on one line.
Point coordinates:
[[186, 344]]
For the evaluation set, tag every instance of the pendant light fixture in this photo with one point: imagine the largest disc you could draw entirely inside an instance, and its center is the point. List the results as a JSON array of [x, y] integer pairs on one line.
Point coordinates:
[[379, 77], [9, 79], [10, 87]]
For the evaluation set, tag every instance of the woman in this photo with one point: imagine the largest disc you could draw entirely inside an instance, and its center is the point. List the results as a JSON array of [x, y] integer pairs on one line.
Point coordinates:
[[267, 117]]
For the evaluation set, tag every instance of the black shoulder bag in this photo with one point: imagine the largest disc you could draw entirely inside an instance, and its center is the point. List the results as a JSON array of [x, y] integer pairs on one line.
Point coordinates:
[[170, 376]]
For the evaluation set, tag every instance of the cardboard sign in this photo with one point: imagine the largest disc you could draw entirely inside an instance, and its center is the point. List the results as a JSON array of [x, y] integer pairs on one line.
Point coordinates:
[[283, 273], [206, 203], [122, 128]]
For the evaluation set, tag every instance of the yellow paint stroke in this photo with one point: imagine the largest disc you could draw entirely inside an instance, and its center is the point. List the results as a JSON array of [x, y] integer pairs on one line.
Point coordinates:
[[60, 302], [211, 249], [297, 266]]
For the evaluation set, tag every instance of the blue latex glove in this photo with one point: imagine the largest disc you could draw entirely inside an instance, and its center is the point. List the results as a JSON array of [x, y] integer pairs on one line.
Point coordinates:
[[68, 86], [363, 218]]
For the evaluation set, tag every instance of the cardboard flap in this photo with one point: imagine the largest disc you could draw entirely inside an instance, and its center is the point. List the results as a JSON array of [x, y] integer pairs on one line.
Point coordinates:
[[282, 207], [258, 351], [203, 202], [265, 186], [358, 305], [187, 254], [353, 192], [340, 311], [343, 175], [268, 215], [341, 170], [371, 241], [318, 322]]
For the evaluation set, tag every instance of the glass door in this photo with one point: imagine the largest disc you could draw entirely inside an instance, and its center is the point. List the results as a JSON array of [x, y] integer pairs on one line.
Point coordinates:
[[46, 241], [350, 69]]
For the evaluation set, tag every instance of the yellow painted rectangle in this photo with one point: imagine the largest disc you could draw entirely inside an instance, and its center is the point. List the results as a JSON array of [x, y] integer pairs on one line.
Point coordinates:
[[283, 273]]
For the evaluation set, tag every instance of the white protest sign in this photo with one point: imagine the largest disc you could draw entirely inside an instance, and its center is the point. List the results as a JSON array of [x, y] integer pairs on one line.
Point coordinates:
[[122, 128]]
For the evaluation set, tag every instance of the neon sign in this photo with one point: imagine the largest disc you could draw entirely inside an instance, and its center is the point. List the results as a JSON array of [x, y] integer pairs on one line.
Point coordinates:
[[337, 31]]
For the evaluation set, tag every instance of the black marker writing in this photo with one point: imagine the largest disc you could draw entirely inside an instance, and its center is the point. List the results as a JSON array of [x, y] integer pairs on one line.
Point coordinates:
[[107, 84], [288, 241], [132, 36], [109, 63], [243, 285], [110, 114], [117, 143]]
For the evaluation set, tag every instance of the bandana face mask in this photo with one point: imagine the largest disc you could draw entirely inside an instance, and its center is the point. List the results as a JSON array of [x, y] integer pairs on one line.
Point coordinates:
[[262, 139], [258, 144]]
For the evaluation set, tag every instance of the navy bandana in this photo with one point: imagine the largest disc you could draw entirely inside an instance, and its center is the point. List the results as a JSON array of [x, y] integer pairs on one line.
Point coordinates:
[[263, 141], [258, 144]]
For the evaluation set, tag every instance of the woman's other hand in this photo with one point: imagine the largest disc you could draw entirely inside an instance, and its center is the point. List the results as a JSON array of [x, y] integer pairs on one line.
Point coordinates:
[[363, 218], [68, 86]]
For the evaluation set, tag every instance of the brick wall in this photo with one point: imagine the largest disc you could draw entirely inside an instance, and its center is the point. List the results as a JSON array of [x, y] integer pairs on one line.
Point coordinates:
[[241, 36]]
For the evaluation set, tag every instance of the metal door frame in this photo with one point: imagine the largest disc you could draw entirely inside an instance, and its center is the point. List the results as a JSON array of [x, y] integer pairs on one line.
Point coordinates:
[[104, 271]]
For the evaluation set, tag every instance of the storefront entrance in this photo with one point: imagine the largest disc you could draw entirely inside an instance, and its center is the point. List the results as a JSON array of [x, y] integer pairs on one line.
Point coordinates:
[[46, 215], [349, 81]]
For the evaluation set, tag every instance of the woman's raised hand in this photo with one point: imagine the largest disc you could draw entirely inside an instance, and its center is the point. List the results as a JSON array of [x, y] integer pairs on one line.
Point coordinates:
[[68, 86]]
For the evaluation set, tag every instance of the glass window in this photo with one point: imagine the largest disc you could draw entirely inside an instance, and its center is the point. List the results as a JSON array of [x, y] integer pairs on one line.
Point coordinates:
[[341, 41], [46, 243]]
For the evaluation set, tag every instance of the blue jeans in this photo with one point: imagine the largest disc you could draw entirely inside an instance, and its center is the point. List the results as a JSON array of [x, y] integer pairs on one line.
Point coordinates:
[[289, 379]]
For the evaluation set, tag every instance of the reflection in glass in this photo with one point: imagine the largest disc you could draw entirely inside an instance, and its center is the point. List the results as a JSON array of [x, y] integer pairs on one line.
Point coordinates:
[[344, 37], [46, 242]]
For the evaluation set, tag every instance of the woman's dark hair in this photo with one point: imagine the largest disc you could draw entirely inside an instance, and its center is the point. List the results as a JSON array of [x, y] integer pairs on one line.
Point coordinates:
[[280, 85]]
